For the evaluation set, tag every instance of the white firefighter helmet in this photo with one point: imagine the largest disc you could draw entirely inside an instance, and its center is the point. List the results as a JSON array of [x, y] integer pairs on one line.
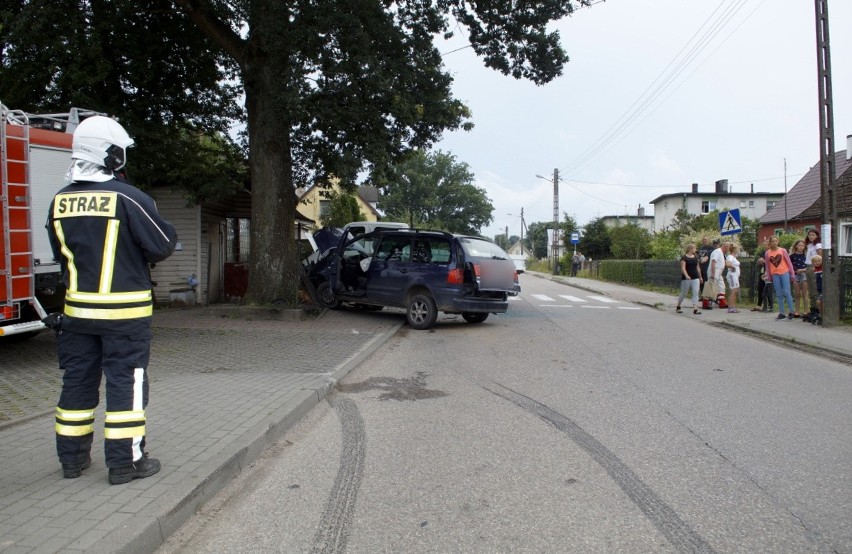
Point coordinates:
[[102, 141]]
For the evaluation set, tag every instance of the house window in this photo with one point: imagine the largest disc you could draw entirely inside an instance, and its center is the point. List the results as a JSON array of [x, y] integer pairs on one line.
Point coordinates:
[[845, 246], [770, 204], [778, 232], [708, 206], [237, 244], [751, 203], [325, 208]]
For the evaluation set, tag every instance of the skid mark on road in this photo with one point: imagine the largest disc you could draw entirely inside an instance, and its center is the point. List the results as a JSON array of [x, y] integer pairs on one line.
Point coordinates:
[[336, 524], [664, 518]]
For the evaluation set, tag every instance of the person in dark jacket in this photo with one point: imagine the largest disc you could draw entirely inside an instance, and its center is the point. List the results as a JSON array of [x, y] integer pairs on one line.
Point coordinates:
[[105, 233]]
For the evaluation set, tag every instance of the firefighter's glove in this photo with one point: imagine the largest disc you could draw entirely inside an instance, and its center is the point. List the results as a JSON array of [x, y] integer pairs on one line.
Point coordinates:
[[53, 321]]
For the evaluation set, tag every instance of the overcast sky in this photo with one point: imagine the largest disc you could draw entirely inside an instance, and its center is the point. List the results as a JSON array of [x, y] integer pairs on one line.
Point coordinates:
[[658, 94]]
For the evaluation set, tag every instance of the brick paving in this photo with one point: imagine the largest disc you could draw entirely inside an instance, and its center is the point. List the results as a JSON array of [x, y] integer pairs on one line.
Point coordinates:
[[224, 385]]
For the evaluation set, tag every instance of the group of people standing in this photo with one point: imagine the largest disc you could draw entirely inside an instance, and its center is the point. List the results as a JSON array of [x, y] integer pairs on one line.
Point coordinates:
[[794, 277], [782, 273], [704, 267]]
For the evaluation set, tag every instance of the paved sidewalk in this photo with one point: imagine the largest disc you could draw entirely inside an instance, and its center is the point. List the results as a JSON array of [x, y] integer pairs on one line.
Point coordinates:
[[224, 386]]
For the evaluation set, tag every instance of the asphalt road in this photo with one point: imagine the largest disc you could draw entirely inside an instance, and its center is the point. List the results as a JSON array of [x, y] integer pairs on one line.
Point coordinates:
[[570, 424]]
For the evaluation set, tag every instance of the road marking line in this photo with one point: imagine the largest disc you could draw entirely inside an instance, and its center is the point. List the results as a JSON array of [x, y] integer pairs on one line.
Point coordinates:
[[572, 298], [597, 307], [543, 297], [604, 299], [628, 308]]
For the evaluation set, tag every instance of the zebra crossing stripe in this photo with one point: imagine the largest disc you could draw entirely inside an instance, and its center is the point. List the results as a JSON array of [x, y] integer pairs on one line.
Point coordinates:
[[578, 300]]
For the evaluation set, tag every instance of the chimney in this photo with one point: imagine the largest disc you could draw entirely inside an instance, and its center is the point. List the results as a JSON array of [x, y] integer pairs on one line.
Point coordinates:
[[694, 188], [849, 147], [752, 188], [722, 186], [641, 211]]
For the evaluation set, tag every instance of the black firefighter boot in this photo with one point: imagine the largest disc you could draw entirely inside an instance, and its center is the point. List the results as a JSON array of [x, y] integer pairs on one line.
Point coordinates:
[[141, 468], [84, 459]]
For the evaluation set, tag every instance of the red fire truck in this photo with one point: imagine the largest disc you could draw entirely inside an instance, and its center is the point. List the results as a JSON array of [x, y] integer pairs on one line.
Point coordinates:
[[35, 153]]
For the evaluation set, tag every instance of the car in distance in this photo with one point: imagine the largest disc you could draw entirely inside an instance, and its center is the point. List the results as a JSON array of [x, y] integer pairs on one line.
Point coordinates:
[[423, 271]]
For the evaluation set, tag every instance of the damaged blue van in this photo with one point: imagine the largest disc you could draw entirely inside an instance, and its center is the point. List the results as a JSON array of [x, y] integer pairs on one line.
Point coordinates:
[[422, 271]]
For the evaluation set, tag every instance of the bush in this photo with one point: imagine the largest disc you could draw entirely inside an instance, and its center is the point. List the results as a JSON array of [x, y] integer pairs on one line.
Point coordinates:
[[623, 271]]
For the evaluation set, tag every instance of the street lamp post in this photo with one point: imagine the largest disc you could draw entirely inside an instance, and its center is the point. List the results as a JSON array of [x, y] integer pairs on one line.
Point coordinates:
[[555, 218]]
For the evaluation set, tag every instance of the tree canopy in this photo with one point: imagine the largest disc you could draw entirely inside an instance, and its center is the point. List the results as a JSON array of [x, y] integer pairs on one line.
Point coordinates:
[[141, 62], [568, 225], [343, 209], [595, 242], [537, 237], [629, 242], [331, 89], [436, 191], [336, 88]]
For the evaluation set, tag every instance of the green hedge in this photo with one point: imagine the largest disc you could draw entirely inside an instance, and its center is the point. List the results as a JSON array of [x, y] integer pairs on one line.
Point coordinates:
[[631, 272]]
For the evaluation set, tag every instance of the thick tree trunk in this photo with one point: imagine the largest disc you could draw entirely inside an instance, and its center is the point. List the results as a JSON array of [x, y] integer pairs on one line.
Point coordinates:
[[273, 262]]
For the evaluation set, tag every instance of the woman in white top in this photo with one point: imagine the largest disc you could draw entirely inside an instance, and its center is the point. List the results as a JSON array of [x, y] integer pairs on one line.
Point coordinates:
[[733, 276]]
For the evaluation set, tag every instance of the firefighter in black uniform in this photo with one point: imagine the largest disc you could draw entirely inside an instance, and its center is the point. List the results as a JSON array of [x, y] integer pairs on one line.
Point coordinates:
[[105, 232]]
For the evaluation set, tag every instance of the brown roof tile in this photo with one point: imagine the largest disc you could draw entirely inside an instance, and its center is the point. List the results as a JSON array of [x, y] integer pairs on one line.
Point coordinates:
[[803, 200], [842, 197]]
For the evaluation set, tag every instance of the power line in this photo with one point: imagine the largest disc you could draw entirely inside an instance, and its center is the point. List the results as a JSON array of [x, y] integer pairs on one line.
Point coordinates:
[[612, 144], [622, 125]]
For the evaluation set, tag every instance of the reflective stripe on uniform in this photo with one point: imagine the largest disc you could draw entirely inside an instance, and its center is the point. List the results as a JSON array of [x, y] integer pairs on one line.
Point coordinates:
[[74, 430], [110, 297], [74, 423], [72, 269], [74, 415], [110, 241], [124, 432], [123, 417], [116, 424], [117, 313]]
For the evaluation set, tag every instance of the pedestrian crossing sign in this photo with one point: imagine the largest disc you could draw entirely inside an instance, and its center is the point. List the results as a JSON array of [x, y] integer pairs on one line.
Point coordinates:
[[730, 222]]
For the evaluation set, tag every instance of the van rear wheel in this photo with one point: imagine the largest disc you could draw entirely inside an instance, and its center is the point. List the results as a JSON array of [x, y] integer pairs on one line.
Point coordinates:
[[421, 312]]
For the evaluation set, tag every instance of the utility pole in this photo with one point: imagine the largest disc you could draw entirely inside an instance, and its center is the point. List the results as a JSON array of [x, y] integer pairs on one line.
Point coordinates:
[[830, 274], [555, 220], [522, 231]]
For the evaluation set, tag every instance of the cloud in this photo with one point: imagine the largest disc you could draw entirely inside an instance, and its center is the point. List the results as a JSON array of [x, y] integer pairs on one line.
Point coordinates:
[[661, 162]]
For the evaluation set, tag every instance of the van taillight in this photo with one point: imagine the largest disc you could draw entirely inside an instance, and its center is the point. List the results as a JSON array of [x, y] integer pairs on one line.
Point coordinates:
[[455, 276]]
